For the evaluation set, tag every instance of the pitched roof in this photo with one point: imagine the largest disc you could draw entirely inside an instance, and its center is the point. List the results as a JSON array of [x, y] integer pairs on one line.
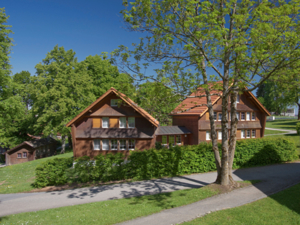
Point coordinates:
[[125, 99], [35, 143], [171, 130], [195, 106]]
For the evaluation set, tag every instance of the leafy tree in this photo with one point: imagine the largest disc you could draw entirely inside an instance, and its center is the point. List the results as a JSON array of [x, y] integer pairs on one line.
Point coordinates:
[[241, 43], [11, 107], [22, 82], [158, 100], [62, 88]]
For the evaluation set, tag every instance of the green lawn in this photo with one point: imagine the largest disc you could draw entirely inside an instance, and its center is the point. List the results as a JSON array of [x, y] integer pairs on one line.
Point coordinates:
[[113, 211], [283, 124], [280, 208], [274, 132], [18, 178]]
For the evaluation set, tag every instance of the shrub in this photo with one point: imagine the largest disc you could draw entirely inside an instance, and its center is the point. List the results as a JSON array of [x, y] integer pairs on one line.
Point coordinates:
[[298, 128], [174, 161], [52, 172]]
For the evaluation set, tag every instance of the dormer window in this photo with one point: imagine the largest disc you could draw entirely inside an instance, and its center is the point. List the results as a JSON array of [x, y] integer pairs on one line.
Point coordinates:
[[114, 102]]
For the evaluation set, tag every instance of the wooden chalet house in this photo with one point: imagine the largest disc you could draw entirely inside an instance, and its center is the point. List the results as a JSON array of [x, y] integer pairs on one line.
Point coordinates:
[[114, 123], [251, 114]]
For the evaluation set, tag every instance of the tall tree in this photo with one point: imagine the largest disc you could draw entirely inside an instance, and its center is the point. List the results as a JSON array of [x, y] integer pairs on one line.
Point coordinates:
[[62, 88], [241, 43], [22, 82], [11, 106]]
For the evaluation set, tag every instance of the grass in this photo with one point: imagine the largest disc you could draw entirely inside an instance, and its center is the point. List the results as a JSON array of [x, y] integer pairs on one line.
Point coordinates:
[[274, 132], [289, 124], [114, 211], [18, 178], [280, 208]]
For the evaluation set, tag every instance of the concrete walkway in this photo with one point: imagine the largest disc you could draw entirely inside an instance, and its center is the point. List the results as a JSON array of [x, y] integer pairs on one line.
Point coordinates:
[[285, 131], [274, 178]]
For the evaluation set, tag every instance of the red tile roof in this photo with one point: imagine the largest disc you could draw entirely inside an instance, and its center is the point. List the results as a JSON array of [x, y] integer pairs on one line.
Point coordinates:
[[125, 99]]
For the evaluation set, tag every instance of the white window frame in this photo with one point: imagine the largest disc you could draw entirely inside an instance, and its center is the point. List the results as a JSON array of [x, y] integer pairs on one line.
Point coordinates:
[[178, 143], [208, 135], [248, 132], [122, 123], [238, 98], [18, 155], [242, 116], [105, 119], [114, 102], [111, 145], [129, 144], [253, 114], [237, 116], [242, 133], [220, 115], [215, 116], [248, 116], [253, 136], [104, 144], [129, 123], [124, 148], [23, 155], [219, 135], [94, 143]]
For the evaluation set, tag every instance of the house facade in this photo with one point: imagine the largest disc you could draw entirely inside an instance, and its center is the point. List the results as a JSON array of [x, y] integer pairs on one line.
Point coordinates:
[[114, 123], [193, 114], [31, 150]]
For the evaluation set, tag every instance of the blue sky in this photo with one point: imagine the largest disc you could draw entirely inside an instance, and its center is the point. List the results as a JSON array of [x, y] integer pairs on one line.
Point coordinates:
[[88, 27]]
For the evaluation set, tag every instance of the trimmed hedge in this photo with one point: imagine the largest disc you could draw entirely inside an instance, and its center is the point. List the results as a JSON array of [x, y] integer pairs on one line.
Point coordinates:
[[153, 163]]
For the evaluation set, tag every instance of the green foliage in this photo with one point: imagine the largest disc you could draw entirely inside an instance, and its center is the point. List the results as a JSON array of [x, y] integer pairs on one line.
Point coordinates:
[[52, 172], [298, 128], [177, 160]]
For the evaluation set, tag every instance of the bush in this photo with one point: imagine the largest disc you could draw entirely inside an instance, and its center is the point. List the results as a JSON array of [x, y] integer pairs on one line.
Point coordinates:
[[52, 172], [298, 128], [174, 161]]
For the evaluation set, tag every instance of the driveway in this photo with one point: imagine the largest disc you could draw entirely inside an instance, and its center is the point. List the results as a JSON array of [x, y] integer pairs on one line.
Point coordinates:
[[274, 178], [285, 131]]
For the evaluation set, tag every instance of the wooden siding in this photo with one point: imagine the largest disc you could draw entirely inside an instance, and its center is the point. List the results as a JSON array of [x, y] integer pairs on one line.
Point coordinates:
[[96, 122], [191, 123], [113, 122]]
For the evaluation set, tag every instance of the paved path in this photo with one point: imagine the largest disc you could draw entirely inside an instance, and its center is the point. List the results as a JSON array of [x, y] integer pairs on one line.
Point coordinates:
[[286, 131], [274, 178]]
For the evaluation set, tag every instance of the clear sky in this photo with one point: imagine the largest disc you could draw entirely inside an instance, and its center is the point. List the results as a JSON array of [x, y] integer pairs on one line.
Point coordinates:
[[88, 27]]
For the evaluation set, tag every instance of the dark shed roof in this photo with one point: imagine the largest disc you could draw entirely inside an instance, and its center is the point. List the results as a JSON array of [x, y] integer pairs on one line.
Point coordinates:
[[171, 130]]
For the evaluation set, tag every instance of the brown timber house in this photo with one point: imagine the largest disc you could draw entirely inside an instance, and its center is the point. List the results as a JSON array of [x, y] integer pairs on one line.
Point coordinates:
[[31, 150], [114, 123]]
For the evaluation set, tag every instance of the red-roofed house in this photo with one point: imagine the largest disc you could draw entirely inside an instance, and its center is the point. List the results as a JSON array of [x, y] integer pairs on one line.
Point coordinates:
[[195, 117]]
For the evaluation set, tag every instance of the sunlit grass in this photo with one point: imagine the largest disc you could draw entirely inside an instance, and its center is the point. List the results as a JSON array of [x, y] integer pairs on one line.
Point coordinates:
[[289, 124]]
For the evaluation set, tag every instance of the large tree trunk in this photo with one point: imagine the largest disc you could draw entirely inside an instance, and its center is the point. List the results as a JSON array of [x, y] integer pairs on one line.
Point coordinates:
[[63, 144]]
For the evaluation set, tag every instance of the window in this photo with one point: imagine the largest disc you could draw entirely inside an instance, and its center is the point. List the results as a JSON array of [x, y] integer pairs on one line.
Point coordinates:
[[248, 116], [19, 155], [248, 133], [207, 135], [122, 122], [114, 102], [242, 116], [242, 133], [122, 144], [105, 122], [238, 98], [97, 144], [164, 140], [178, 139], [220, 116], [171, 140], [219, 135], [253, 115], [215, 116], [105, 144], [253, 133], [114, 144], [131, 122], [238, 116], [131, 144], [24, 154]]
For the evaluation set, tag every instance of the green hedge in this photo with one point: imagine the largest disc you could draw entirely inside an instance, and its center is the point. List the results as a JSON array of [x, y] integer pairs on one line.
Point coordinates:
[[165, 162]]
